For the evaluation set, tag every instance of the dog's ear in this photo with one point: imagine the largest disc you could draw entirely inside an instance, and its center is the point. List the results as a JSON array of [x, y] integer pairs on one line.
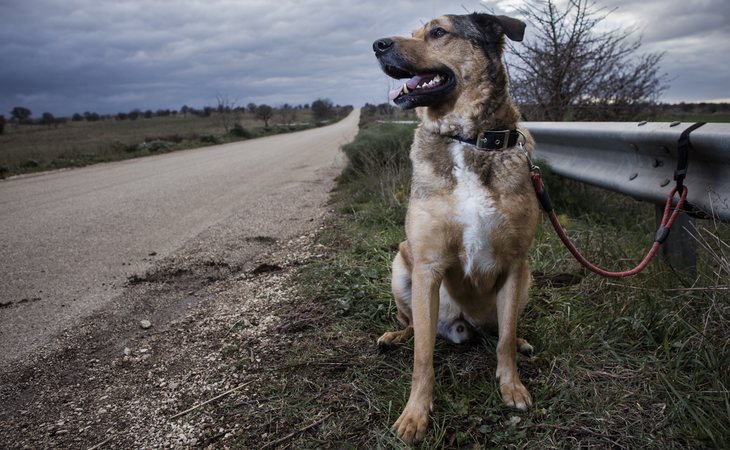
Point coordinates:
[[513, 28], [500, 25]]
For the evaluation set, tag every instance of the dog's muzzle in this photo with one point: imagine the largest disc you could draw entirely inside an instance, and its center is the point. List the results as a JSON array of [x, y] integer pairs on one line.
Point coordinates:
[[424, 86]]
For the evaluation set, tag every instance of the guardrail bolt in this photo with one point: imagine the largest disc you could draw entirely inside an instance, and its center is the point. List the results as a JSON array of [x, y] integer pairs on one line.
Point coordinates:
[[674, 124], [633, 175]]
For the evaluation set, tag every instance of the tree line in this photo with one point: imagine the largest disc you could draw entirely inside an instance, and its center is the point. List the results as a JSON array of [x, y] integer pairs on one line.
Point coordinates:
[[226, 110]]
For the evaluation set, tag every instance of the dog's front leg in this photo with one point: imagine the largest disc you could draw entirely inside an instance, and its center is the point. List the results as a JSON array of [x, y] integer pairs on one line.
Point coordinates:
[[412, 423], [510, 300]]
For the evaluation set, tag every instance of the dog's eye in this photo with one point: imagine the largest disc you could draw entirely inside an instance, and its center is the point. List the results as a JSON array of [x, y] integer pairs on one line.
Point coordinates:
[[437, 32]]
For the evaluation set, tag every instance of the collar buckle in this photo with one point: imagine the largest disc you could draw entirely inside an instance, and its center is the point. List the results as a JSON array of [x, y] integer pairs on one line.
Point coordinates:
[[494, 140]]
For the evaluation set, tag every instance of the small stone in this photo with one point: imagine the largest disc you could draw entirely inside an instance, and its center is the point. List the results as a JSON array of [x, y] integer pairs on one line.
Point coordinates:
[[145, 324], [127, 351]]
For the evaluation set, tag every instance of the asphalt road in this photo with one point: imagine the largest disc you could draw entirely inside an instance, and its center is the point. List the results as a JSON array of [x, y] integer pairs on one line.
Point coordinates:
[[69, 240]]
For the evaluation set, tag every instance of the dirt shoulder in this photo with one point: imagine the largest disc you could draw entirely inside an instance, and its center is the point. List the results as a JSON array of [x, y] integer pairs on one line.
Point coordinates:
[[114, 384]]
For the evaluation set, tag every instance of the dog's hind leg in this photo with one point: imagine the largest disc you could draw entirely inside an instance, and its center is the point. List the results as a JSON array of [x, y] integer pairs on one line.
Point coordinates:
[[401, 285], [511, 297]]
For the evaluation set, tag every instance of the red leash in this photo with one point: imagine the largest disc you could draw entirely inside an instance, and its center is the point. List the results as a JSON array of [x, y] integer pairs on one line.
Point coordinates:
[[661, 234], [683, 149]]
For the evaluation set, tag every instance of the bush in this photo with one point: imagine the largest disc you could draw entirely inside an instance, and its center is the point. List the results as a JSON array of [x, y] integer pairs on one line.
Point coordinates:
[[239, 131], [155, 146], [119, 146], [30, 164], [378, 148], [210, 139]]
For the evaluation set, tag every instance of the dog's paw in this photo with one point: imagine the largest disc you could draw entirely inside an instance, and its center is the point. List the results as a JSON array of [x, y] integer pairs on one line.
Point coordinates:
[[387, 341], [392, 338], [412, 424], [384, 347], [515, 394], [524, 347]]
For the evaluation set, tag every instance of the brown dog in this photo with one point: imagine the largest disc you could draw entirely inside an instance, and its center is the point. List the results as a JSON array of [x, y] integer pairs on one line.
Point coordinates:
[[472, 213]]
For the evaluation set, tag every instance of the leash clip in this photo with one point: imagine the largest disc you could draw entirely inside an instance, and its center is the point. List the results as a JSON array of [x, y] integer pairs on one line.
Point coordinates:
[[534, 168]]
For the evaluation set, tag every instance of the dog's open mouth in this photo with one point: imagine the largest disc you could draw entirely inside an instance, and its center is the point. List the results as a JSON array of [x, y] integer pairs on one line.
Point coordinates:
[[419, 84], [420, 89]]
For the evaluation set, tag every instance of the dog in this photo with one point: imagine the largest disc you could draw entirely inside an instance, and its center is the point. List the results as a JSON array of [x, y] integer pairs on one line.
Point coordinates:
[[472, 213]]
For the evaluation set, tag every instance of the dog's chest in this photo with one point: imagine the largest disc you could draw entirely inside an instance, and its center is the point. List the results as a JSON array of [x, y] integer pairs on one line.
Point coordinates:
[[475, 213]]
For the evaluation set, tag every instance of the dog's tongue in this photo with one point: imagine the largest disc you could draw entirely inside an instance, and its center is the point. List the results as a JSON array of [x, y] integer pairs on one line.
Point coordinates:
[[394, 93], [412, 84]]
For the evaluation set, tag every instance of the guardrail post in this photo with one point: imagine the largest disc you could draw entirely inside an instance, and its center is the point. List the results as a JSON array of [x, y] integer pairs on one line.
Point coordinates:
[[680, 248]]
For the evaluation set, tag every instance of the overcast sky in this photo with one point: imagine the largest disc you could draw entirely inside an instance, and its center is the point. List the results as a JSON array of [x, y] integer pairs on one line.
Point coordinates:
[[66, 56]]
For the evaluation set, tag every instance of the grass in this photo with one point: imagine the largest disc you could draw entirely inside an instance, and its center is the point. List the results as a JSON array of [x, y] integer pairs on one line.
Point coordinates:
[[33, 148], [639, 363], [691, 118]]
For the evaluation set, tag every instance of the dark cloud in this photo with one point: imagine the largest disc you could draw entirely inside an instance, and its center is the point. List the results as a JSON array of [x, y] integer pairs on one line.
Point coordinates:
[[79, 55]]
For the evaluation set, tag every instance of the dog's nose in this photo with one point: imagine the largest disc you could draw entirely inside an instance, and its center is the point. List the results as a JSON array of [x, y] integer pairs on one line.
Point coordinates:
[[382, 45]]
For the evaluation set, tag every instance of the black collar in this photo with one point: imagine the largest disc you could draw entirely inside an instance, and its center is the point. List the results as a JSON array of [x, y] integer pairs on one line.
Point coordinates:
[[492, 140]]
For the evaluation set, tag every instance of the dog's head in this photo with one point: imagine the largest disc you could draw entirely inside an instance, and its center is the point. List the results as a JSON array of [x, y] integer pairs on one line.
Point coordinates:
[[451, 63]]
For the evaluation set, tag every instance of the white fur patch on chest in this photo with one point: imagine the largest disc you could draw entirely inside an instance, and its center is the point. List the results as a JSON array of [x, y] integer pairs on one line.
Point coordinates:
[[475, 211]]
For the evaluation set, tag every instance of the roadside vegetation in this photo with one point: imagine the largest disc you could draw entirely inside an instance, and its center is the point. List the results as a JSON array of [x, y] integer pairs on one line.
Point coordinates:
[[29, 145], [637, 363]]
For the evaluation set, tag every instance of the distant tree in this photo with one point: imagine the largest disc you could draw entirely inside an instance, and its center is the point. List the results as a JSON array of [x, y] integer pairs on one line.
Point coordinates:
[[20, 114], [91, 116], [134, 114], [148, 114], [207, 111], [48, 119], [184, 110], [322, 109], [265, 113], [570, 71], [251, 108], [3, 121], [122, 116], [288, 114], [77, 117], [227, 111]]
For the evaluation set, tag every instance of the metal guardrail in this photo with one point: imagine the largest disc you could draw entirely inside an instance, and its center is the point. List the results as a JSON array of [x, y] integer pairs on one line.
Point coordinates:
[[639, 159]]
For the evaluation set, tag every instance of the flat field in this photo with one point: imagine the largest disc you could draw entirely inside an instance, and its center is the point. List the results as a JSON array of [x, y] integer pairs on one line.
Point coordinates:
[[32, 148]]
